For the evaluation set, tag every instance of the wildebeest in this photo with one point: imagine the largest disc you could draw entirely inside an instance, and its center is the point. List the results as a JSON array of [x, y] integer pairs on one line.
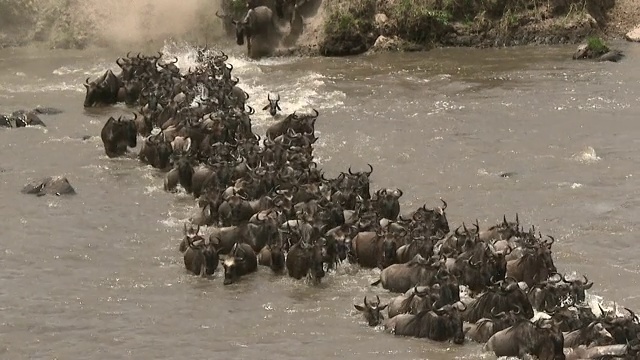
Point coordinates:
[[261, 29], [58, 185], [387, 203], [595, 334], [272, 255], [374, 249], [402, 277], [507, 296], [156, 151], [240, 261], [200, 258], [306, 259], [372, 311], [117, 134], [438, 324], [103, 91], [542, 339], [273, 105]]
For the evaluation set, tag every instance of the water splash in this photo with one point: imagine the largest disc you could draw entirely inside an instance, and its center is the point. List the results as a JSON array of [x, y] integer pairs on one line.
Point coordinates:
[[588, 155]]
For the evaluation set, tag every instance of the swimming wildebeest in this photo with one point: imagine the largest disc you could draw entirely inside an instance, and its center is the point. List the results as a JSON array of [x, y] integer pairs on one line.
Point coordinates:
[[50, 185], [439, 324], [117, 134], [273, 105], [542, 339], [240, 261], [103, 91], [201, 257], [372, 311]]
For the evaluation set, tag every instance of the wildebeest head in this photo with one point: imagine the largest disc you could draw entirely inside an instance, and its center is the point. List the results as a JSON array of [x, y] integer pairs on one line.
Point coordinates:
[[132, 92], [207, 253], [231, 264], [273, 105], [577, 287], [554, 343], [372, 312], [388, 204], [435, 219], [191, 234], [93, 95], [453, 312]]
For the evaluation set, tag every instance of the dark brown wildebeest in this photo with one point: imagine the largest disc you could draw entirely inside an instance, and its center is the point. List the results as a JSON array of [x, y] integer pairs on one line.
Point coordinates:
[[402, 277], [273, 105], [542, 339], [240, 261], [200, 258], [372, 311], [440, 324], [117, 134]]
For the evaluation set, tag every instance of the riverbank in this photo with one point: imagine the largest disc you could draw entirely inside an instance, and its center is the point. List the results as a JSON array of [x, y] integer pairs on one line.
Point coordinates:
[[359, 26], [329, 28]]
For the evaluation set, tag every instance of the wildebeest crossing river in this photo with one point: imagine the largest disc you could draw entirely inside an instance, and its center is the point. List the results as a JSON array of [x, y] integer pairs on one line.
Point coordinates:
[[100, 274]]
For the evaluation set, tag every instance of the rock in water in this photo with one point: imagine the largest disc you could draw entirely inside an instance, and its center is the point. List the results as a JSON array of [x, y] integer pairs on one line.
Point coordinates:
[[58, 185], [634, 35]]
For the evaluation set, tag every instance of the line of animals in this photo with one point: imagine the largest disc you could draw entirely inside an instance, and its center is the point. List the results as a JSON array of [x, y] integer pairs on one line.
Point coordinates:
[[269, 204], [267, 24], [266, 202]]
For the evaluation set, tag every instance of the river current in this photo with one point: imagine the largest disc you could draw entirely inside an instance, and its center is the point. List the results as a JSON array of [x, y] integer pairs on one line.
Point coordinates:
[[99, 275]]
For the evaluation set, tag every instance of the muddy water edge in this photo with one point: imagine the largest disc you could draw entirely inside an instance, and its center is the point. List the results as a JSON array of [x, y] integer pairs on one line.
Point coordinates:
[[99, 276]]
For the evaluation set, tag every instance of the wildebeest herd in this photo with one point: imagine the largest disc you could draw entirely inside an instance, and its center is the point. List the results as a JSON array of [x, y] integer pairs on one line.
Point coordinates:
[[264, 201]]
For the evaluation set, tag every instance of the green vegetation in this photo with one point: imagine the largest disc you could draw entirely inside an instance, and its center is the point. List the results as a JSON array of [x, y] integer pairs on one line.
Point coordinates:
[[597, 45], [416, 21], [349, 28], [460, 22]]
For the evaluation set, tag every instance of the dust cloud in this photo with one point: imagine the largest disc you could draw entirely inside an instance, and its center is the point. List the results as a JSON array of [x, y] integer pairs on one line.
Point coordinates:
[[118, 22]]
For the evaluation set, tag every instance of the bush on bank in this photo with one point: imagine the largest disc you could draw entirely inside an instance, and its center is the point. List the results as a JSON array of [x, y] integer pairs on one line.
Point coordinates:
[[352, 26]]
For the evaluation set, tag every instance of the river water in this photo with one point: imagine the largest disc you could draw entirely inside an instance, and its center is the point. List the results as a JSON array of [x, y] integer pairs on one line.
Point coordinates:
[[99, 276]]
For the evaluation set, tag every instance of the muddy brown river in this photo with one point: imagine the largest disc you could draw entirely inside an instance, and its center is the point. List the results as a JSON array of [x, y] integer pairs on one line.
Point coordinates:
[[99, 275]]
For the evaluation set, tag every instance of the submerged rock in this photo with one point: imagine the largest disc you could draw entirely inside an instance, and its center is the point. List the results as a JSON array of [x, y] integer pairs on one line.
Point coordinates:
[[596, 49], [58, 186], [633, 35], [22, 118]]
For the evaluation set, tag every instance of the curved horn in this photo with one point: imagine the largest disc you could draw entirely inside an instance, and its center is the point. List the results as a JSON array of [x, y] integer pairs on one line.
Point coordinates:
[[370, 169], [399, 192], [444, 204], [251, 110], [457, 231], [552, 239], [87, 81], [316, 113], [246, 95], [464, 305]]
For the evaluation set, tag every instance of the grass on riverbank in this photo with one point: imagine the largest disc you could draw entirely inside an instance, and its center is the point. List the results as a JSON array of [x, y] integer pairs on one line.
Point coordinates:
[[352, 26]]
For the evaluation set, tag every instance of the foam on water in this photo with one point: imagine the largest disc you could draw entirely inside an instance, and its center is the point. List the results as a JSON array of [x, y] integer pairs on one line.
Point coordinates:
[[307, 91], [39, 88], [587, 155]]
